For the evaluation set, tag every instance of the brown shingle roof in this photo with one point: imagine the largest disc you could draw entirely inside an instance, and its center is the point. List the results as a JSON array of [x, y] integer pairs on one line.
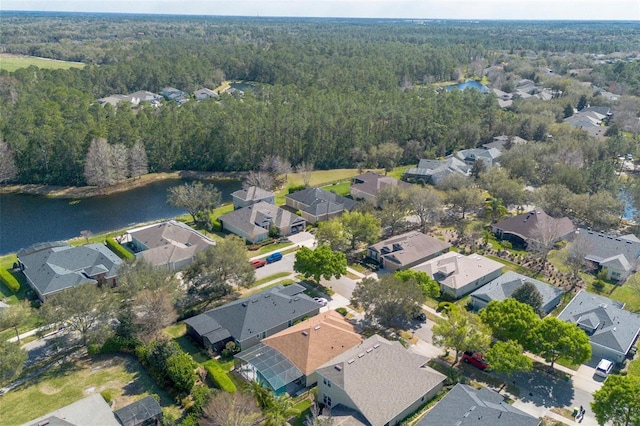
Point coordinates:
[[313, 342]]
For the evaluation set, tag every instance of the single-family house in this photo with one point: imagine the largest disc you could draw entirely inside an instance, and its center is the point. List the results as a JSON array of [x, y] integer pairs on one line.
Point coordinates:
[[175, 95], [172, 244], [406, 250], [505, 285], [286, 361], [254, 222], [616, 255], [249, 320], [434, 171], [317, 205], [503, 142], [144, 412], [52, 267], [523, 229], [470, 156], [204, 94], [134, 98], [380, 379], [458, 274], [251, 195], [366, 186], [92, 410], [611, 330], [465, 405]]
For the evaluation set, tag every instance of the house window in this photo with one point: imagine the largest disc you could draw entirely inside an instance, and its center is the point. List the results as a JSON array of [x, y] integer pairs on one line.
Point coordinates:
[[327, 401], [324, 380]]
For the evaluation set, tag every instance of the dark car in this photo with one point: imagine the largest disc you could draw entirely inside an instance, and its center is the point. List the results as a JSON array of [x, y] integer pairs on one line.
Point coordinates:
[[475, 359], [274, 257], [422, 317], [258, 263]]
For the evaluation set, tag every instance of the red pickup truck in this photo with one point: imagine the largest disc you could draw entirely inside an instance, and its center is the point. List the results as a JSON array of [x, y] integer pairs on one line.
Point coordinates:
[[475, 359]]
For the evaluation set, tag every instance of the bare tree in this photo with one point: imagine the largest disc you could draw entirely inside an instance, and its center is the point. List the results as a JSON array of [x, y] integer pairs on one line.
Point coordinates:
[[231, 409], [576, 259], [305, 169], [426, 204], [154, 310], [8, 169], [194, 197], [98, 167], [120, 161], [138, 163], [276, 166], [543, 237], [260, 179]]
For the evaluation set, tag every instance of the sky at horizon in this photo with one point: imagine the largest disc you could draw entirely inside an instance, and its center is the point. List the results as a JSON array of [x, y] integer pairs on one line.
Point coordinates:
[[625, 10]]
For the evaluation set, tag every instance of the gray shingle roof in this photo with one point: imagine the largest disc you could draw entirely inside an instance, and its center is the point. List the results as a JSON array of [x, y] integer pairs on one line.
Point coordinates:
[[370, 183], [467, 406], [382, 378], [601, 248], [251, 316], [52, 268], [615, 328], [248, 219], [524, 225], [408, 248], [252, 193], [318, 201], [503, 287], [436, 170]]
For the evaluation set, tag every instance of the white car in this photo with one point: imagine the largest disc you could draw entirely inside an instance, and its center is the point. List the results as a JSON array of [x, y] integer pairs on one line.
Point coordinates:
[[321, 301], [604, 367]]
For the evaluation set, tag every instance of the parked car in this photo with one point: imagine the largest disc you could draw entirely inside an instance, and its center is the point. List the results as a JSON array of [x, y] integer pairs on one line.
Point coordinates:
[[321, 301], [422, 317], [475, 359], [604, 367], [258, 263], [274, 257]]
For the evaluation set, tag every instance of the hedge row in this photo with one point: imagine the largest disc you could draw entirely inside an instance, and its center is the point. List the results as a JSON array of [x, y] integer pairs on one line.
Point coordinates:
[[219, 377], [122, 252], [9, 280]]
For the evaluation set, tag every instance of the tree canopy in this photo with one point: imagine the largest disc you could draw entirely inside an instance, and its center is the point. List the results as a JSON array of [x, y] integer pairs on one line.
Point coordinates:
[[320, 263], [510, 320], [195, 197], [553, 338], [462, 331], [617, 401]]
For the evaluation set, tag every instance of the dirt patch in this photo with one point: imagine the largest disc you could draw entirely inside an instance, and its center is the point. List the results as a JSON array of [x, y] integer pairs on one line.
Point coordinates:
[[47, 389]]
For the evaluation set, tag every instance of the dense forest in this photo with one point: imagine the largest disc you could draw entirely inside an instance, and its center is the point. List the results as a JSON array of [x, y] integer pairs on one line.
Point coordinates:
[[328, 92]]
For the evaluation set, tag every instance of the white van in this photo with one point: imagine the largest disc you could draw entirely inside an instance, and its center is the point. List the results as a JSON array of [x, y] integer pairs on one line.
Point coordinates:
[[604, 367]]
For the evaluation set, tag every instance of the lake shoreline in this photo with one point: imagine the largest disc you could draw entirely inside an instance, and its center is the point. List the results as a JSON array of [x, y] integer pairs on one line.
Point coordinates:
[[74, 192]]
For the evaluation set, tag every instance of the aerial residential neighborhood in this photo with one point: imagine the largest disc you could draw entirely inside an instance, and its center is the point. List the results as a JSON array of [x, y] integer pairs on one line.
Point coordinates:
[[210, 220]]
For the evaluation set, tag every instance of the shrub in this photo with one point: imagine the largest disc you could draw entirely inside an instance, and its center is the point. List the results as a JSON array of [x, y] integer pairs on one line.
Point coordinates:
[[190, 420], [115, 344], [598, 285], [9, 280], [219, 377], [506, 244], [342, 311], [107, 395], [230, 349], [295, 188], [444, 307], [200, 395], [115, 247], [181, 372], [93, 350]]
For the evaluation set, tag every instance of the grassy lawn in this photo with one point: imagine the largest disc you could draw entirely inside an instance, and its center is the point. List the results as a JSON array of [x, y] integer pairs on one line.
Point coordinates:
[[629, 293], [304, 408], [343, 188], [178, 332], [566, 363], [123, 376], [510, 266], [13, 62], [269, 248], [634, 367], [271, 278], [8, 296], [258, 290]]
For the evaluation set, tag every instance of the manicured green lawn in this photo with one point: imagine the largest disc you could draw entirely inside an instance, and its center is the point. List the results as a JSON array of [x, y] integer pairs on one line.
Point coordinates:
[[123, 376], [270, 248], [14, 62], [634, 367], [271, 278], [629, 293], [342, 188]]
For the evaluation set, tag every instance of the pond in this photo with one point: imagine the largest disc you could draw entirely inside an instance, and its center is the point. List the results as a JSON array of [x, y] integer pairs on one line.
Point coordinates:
[[29, 219]]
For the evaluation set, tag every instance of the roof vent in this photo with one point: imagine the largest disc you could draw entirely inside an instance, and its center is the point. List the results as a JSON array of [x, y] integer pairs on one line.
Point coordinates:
[[361, 354], [338, 367], [369, 350], [244, 304], [351, 361], [376, 346], [304, 333], [317, 327]]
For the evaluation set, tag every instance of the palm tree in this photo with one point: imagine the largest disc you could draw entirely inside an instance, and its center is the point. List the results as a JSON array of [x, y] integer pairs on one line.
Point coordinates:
[[262, 395], [494, 209], [279, 411]]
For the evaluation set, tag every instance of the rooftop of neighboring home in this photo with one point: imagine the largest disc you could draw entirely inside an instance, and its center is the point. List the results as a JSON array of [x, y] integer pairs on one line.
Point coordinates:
[[134, 98], [371, 183], [436, 170], [92, 410], [604, 320], [602, 248], [251, 218], [467, 406], [169, 242], [405, 249], [489, 155], [505, 285], [501, 142], [52, 267], [315, 341], [456, 271], [248, 317], [319, 201], [527, 224], [381, 377], [140, 413], [252, 193], [204, 93]]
